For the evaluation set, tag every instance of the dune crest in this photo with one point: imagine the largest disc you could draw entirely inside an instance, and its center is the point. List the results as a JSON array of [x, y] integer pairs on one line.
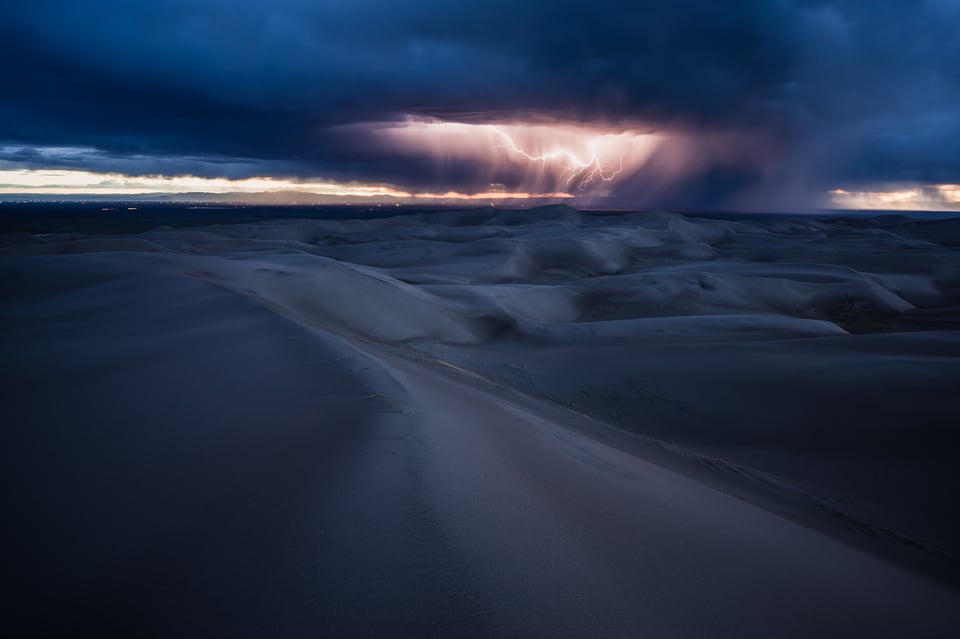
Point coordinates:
[[488, 422]]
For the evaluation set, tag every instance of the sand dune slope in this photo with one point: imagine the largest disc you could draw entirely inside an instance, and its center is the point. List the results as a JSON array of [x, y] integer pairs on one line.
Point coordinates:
[[478, 425]]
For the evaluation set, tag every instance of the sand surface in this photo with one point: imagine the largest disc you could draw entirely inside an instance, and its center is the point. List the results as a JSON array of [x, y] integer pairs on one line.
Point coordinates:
[[486, 423]]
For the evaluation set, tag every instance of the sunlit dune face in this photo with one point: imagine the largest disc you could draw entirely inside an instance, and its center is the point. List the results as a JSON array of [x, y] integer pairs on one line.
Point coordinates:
[[560, 159], [932, 197]]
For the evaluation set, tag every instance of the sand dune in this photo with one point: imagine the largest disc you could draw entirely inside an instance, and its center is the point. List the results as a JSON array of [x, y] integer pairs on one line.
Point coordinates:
[[487, 423]]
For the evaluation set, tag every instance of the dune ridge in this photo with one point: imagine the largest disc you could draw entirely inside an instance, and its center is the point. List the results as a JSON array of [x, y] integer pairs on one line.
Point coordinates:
[[488, 422]]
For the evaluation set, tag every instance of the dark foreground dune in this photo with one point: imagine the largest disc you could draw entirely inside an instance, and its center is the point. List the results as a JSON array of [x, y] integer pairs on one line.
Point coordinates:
[[486, 423]]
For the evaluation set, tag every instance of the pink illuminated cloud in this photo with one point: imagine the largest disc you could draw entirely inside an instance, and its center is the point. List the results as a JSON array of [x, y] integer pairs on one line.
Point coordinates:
[[544, 158]]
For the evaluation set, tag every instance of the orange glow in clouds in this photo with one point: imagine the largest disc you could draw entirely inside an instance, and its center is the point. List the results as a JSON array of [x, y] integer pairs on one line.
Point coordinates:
[[556, 159], [928, 197], [510, 161], [87, 183]]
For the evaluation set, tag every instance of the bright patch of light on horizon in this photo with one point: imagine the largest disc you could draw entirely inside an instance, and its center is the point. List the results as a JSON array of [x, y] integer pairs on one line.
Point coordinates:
[[932, 197], [568, 158], [75, 182], [90, 183]]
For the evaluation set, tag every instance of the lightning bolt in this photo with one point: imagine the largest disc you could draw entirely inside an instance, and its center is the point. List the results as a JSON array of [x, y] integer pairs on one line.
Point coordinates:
[[575, 166]]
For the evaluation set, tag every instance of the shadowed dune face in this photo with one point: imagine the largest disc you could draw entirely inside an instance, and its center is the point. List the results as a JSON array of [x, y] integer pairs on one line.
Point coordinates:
[[570, 267], [812, 359], [431, 276]]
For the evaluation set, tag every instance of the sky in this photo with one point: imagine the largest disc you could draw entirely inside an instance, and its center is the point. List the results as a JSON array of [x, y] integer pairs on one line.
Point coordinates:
[[694, 104]]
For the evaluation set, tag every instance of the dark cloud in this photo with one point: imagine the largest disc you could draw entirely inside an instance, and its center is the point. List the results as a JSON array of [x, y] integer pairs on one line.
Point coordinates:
[[859, 91]]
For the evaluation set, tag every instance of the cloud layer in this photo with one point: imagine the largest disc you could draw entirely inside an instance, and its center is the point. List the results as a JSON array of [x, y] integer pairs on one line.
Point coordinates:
[[768, 103]]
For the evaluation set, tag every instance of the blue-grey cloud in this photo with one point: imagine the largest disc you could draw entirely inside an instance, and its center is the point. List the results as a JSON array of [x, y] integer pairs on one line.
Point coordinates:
[[857, 91]]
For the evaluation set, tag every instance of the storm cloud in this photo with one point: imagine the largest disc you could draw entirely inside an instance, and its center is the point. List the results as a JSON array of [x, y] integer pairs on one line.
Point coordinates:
[[802, 96]]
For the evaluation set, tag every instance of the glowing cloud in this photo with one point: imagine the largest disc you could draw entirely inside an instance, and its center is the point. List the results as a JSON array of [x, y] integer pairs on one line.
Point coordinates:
[[56, 182], [69, 182], [519, 160], [587, 167], [930, 197], [551, 158]]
